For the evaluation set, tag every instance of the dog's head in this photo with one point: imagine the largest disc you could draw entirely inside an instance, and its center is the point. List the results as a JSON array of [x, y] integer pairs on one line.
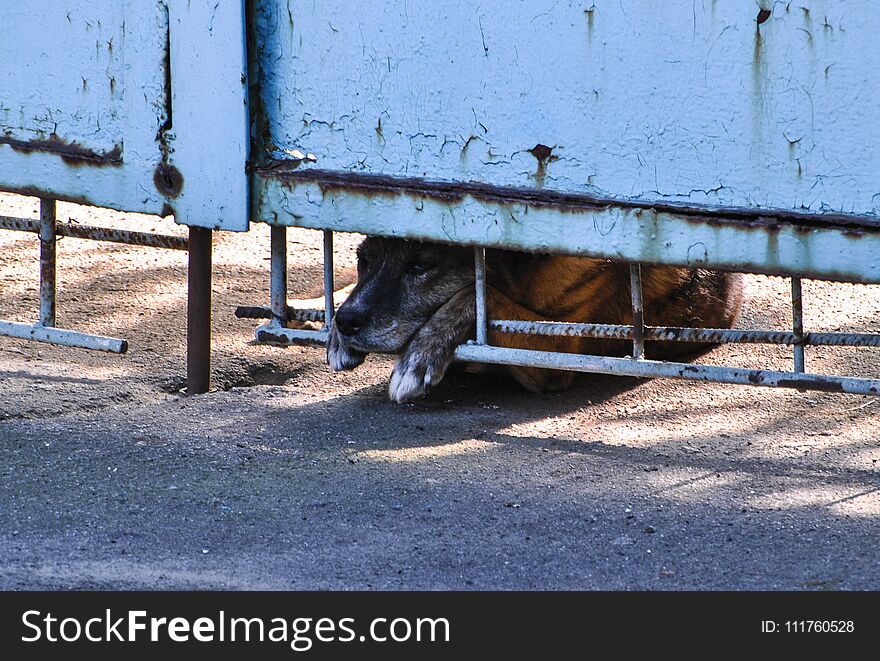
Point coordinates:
[[401, 284]]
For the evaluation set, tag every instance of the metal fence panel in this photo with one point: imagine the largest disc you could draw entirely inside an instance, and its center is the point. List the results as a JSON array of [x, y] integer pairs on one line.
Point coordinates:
[[135, 105], [708, 103]]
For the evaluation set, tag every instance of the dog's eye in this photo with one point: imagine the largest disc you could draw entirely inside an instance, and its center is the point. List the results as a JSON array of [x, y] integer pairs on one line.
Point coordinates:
[[419, 266]]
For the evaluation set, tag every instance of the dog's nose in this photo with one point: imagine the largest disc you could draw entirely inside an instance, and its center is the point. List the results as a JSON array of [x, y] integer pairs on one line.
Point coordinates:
[[349, 320]]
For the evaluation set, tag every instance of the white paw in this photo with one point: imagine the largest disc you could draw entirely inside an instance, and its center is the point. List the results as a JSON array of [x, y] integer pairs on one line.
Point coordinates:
[[407, 383], [413, 376], [338, 356]]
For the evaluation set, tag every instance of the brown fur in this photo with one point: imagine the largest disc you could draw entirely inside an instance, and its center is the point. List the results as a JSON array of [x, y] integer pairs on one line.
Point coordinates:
[[417, 300]]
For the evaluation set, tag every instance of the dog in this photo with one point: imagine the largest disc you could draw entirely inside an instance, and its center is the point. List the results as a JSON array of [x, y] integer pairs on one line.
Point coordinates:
[[417, 300]]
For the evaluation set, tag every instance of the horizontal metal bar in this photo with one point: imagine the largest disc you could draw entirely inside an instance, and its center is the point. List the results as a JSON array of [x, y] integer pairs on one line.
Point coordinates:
[[378, 184], [63, 337], [19, 224], [653, 368], [257, 312], [676, 334], [147, 239], [622, 332], [92, 233], [751, 241], [274, 333]]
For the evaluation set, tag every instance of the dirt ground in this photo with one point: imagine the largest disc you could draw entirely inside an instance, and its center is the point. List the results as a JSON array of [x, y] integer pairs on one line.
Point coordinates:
[[288, 476]]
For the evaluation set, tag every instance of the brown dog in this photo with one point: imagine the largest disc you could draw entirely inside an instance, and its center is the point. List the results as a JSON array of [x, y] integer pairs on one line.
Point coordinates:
[[417, 300]]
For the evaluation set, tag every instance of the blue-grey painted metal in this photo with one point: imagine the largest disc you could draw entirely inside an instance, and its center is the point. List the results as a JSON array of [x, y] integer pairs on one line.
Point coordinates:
[[66, 338], [693, 102], [136, 106], [797, 316], [274, 333], [47, 262], [638, 312], [678, 236], [668, 120], [328, 278], [652, 368], [278, 274], [480, 295]]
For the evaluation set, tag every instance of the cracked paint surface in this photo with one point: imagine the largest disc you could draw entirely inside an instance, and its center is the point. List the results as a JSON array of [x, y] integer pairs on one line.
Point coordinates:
[[137, 106], [695, 102], [83, 88], [74, 89]]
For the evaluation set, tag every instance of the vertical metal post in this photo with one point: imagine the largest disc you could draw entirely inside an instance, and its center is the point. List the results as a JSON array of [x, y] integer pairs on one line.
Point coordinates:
[[47, 262], [480, 286], [278, 277], [797, 318], [198, 318], [328, 278], [635, 285]]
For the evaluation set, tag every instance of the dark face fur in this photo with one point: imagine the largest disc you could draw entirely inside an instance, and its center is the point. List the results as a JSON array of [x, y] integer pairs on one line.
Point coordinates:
[[401, 284]]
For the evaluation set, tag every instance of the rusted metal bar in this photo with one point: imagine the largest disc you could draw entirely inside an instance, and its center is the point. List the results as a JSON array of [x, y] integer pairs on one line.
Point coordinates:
[[678, 334], [797, 316], [329, 309], [48, 268], [278, 276], [841, 340], [621, 332], [147, 239], [638, 313], [653, 368], [198, 319], [480, 286], [19, 224], [257, 312]]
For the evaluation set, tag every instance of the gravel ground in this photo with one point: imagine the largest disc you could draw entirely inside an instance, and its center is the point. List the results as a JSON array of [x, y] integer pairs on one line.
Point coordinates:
[[290, 477]]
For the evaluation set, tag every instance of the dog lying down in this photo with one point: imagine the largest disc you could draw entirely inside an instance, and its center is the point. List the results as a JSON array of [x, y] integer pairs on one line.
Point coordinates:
[[416, 300]]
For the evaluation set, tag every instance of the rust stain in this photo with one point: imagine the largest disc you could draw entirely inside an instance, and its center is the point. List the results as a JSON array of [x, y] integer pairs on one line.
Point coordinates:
[[806, 384], [544, 155], [541, 152], [591, 15], [71, 152], [763, 15], [168, 180]]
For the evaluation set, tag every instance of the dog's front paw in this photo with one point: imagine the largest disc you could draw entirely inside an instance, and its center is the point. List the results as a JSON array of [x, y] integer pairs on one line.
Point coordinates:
[[339, 357], [415, 372]]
